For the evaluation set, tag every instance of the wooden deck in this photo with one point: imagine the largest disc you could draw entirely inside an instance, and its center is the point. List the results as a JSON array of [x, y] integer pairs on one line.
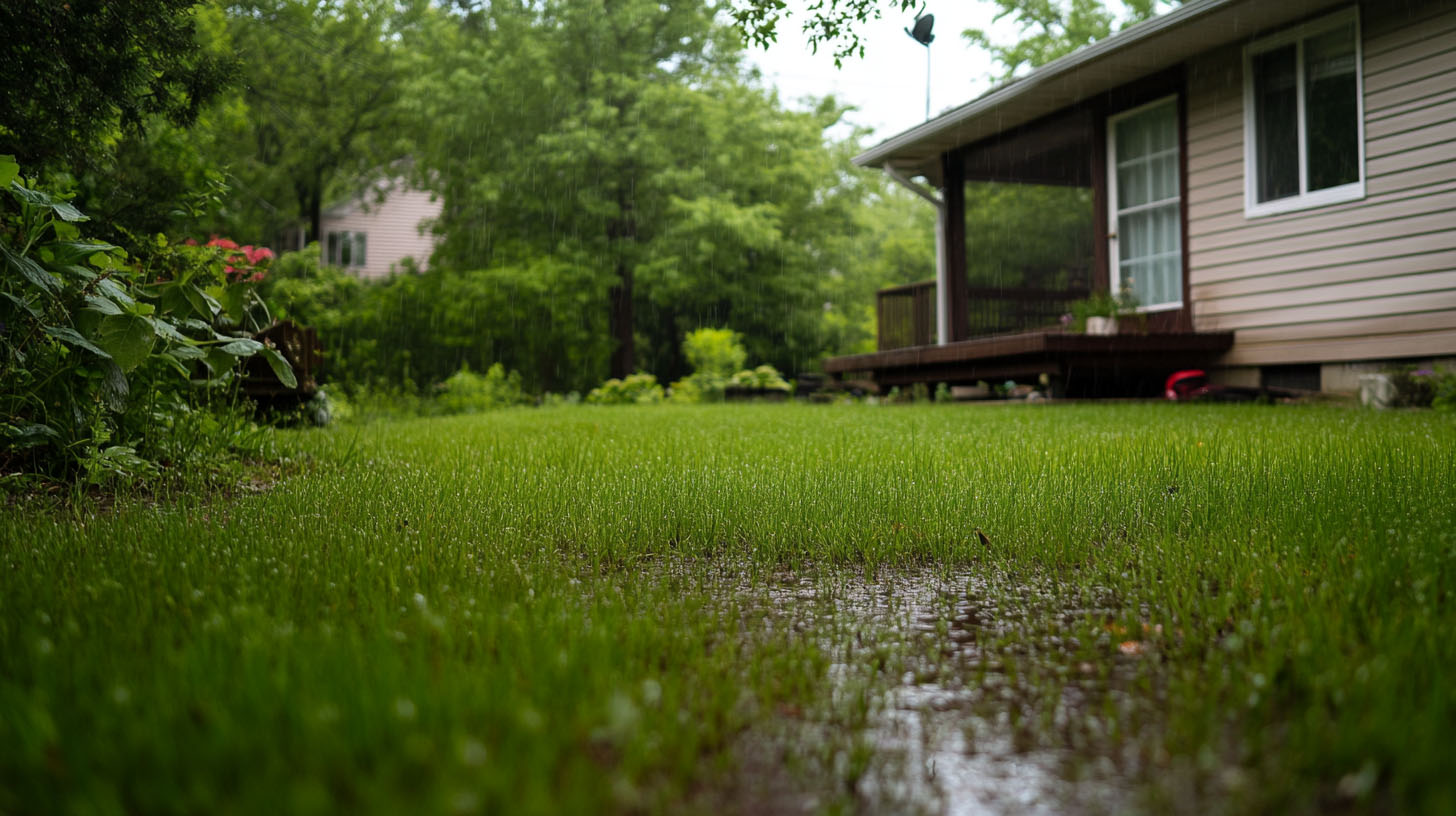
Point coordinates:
[[1024, 356]]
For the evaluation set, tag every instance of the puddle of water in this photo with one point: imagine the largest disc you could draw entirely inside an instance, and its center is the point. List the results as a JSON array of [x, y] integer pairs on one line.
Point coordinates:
[[994, 711]]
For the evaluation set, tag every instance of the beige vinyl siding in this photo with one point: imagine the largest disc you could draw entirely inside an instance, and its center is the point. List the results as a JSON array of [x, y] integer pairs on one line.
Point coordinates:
[[1367, 279], [392, 228]]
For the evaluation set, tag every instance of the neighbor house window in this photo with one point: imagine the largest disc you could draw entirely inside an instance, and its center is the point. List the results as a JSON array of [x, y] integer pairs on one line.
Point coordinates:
[[1304, 133], [344, 249]]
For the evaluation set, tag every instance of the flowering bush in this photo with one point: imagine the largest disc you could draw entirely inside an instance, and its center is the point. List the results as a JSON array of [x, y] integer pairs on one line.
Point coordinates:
[[240, 264]]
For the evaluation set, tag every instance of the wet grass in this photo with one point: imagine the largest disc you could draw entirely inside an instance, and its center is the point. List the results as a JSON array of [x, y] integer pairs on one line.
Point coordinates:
[[582, 610]]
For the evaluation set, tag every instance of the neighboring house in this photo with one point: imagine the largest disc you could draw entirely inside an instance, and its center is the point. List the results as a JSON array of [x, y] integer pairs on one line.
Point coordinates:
[[373, 232], [1276, 181]]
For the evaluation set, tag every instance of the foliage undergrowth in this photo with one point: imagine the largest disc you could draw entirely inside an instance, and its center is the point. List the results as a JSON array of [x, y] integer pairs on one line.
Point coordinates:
[[541, 611], [115, 366]]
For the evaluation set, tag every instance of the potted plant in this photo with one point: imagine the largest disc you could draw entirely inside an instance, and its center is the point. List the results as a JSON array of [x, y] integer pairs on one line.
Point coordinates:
[[1098, 314]]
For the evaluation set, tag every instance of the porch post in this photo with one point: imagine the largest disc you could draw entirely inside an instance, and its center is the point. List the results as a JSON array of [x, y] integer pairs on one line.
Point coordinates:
[[942, 311], [951, 234]]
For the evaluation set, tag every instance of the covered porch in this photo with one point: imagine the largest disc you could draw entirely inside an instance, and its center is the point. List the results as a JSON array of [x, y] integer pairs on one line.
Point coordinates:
[[1108, 123]]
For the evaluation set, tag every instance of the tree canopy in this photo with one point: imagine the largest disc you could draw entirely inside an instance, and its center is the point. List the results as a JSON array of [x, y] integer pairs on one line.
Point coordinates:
[[79, 73], [1053, 28]]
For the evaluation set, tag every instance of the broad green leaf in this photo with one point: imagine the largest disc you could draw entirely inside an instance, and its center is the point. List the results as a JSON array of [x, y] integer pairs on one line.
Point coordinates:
[[177, 365], [241, 347], [129, 339], [281, 369], [30, 270], [40, 198], [71, 337], [219, 362], [114, 290], [234, 300], [202, 303], [114, 386], [9, 169], [28, 436], [187, 352], [68, 252], [22, 304], [104, 305], [140, 309], [76, 271], [167, 331]]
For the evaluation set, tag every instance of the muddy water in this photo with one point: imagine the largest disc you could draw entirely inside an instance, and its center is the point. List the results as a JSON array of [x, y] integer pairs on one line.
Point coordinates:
[[997, 708]]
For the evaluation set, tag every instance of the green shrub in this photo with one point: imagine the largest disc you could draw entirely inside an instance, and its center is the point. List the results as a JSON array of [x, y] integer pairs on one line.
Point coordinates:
[[765, 377], [714, 351], [714, 355], [696, 388], [466, 392], [407, 332], [111, 364], [638, 389], [1428, 387]]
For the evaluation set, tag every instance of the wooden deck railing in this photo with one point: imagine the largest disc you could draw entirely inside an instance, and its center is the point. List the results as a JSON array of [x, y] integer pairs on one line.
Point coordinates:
[[906, 314]]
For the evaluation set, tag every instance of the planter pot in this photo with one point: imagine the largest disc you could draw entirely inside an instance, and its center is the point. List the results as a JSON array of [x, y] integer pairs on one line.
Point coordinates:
[[1377, 390], [1102, 325]]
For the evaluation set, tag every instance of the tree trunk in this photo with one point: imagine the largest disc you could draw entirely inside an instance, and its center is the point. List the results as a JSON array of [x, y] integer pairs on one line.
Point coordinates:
[[624, 354], [620, 233], [315, 208]]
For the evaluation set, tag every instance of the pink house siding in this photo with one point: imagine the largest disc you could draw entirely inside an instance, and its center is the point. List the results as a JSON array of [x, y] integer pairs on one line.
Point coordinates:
[[392, 228]]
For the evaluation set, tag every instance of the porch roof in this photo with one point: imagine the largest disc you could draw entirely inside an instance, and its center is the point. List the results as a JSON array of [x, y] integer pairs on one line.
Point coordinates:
[[1135, 52]]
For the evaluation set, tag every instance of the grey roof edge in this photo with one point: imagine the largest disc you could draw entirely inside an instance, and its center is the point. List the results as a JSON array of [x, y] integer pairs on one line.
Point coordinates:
[[1014, 88]]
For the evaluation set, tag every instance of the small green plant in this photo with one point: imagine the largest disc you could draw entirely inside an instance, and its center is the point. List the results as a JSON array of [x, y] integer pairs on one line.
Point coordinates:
[[637, 389], [1101, 304], [466, 392]]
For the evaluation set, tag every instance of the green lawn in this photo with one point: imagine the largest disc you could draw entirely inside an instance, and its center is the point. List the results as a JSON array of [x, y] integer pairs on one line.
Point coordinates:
[[585, 609]]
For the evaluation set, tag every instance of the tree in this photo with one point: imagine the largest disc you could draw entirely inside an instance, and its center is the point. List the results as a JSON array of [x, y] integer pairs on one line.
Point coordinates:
[[618, 140], [76, 74], [828, 22], [1054, 28], [318, 112]]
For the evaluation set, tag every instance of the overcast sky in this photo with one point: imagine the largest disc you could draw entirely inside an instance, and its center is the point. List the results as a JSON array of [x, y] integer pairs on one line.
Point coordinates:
[[888, 83]]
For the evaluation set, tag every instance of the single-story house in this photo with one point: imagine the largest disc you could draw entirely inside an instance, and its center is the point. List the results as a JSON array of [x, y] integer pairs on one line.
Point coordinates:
[[371, 233], [1274, 181]]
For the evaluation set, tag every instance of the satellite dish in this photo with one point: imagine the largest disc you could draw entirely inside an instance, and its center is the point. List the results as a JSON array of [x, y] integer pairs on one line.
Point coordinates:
[[921, 32]]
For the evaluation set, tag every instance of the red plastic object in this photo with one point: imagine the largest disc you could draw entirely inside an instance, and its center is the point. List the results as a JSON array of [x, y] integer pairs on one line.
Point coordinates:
[[1185, 385]]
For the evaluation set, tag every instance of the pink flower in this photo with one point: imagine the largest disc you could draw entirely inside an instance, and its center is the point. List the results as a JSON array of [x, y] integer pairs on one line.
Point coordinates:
[[222, 243], [259, 255], [190, 242]]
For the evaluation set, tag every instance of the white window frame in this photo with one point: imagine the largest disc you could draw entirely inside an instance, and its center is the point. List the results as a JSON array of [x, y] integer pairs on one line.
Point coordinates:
[[1114, 237], [351, 237], [1303, 200]]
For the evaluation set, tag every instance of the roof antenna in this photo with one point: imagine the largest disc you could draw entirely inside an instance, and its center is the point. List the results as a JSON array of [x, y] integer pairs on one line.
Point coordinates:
[[921, 33]]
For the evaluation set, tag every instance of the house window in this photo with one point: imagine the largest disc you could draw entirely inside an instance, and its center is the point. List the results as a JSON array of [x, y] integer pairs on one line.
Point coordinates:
[[1303, 117], [345, 249]]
